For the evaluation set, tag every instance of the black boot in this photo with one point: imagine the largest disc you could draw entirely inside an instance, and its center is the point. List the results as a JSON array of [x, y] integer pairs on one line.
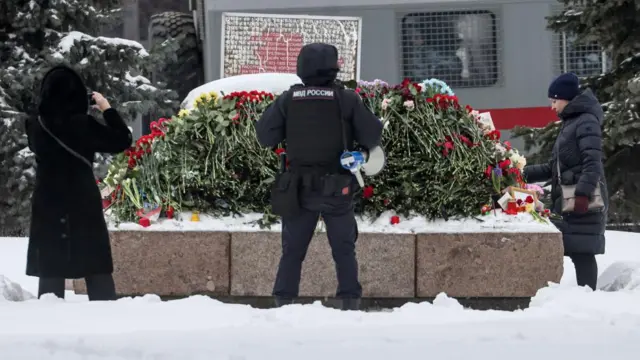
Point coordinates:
[[101, 287], [350, 304], [280, 302]]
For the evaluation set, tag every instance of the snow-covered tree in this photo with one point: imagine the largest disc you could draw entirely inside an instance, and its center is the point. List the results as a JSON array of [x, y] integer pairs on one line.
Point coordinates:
[[38, 34], [613, 24]]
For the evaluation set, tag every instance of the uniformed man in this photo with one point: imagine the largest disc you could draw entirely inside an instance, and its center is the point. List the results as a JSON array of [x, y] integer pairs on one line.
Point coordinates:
[[317, 121]]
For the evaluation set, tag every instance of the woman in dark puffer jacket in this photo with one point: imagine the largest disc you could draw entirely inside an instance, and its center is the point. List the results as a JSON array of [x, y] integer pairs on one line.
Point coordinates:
[[579, 151]]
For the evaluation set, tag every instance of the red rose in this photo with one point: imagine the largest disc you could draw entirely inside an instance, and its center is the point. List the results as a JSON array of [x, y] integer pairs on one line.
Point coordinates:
[[170, 211], [367, 192], [395, 219], [386, 202], [507, 145], [468, 108], [280, 151], [529, 199]]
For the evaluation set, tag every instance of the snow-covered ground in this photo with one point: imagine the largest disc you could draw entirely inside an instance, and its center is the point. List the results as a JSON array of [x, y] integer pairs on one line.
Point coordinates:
[[563, 322], [522, 222]]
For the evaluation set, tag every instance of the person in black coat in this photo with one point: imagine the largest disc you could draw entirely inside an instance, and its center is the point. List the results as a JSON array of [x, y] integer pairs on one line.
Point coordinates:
[[68, 237], [579, 151]]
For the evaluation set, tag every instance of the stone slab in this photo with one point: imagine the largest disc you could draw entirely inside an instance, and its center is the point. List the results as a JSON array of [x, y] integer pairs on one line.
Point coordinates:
[[386, 265], [487, 264], [169, 263]]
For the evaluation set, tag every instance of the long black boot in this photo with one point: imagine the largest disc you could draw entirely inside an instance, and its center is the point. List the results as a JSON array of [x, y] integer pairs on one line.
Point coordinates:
[[280, 301], [101, 287], [350, 304]]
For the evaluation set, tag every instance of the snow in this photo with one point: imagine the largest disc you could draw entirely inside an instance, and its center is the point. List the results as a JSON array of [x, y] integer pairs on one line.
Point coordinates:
[[67, 42], [621, 275], [12, 291], [563, 322], [275, 83], [494, 222]]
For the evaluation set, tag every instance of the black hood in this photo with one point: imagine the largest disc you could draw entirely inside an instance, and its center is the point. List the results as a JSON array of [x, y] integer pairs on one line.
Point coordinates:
[[585, 103], [318, 64], [62, 93]]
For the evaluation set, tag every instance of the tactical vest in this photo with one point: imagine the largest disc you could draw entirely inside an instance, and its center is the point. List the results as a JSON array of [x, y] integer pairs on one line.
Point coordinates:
[[314, 129]]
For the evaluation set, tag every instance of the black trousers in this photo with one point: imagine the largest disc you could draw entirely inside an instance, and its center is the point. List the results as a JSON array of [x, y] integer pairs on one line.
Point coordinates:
[[99, 287], [586, 269], [297, 231]]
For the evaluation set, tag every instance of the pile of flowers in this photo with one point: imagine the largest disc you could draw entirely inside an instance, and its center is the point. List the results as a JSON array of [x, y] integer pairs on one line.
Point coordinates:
[[444, 159]]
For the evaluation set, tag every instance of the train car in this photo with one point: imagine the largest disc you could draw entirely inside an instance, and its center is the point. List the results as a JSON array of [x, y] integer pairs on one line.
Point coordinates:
[[497, 55]]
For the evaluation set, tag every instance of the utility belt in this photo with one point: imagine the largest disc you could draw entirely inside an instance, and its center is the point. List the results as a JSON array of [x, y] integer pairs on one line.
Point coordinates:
[[289, 185]]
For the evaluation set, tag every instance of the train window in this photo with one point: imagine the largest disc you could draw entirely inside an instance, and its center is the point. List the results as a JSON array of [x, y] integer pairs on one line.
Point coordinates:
[[458, 47], [583, 59]]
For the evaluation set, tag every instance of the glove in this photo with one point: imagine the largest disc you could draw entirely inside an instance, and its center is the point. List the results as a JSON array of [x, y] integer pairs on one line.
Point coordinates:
[[581, 205]]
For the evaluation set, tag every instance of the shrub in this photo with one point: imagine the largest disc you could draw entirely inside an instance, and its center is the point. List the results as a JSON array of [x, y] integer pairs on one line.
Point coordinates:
[[441, 159]]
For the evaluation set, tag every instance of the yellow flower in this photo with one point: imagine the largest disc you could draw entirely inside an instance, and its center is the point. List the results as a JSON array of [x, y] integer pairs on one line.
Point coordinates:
[[183, 112], [530, 207]]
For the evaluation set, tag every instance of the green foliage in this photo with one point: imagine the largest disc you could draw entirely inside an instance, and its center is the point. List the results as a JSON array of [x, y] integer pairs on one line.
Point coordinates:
[[613, 24], [440, 159]]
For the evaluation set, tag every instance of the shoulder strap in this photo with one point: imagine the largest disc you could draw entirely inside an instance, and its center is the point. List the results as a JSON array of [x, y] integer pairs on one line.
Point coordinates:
[[558, 175], [61, 143], [338, 96]]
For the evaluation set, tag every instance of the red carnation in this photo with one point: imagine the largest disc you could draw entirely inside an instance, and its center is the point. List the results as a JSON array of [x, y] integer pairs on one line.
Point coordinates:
[[395, 219], [367, 192], [504, 164], [144, 222], [507, 145], [494, 135], [280, 151], [465, 140], [488, 171]]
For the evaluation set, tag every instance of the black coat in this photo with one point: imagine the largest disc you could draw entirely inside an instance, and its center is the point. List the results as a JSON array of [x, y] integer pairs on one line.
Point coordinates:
[[579, 148], [68, 236]]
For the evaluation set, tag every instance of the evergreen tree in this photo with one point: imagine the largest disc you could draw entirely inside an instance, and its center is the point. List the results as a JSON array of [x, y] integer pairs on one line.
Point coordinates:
[[614, 25], [38, 34]]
